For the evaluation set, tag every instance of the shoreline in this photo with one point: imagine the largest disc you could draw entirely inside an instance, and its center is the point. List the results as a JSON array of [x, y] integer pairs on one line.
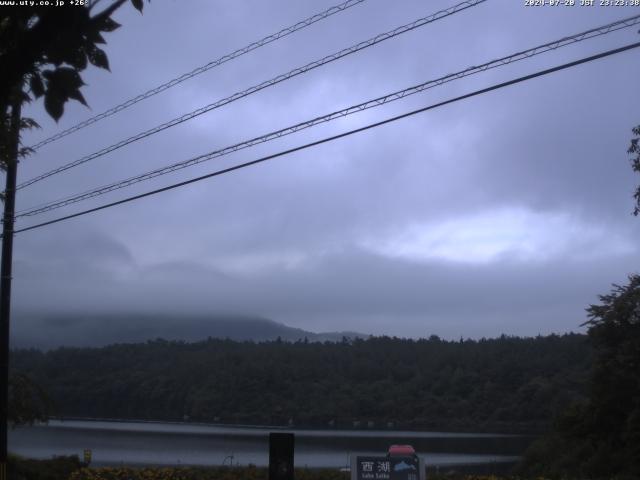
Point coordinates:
[[336, 431], [161, 444]]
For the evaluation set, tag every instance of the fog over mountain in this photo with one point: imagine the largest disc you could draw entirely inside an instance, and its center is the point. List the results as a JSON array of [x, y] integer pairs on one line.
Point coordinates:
[[46, 332], [506, 213]]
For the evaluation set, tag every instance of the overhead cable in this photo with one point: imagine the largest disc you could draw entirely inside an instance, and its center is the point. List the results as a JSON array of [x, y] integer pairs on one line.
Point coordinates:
[[338, 136], [261, 86], [212, 64], [390, 97]]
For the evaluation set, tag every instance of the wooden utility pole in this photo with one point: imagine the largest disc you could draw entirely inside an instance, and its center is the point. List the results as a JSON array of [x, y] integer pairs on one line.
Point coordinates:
[[5, 275]]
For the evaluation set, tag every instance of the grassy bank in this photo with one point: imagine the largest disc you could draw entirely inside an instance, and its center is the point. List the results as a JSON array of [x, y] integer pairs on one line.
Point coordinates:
[[71, 468], [58, 468], [197, 473], [249, 473]]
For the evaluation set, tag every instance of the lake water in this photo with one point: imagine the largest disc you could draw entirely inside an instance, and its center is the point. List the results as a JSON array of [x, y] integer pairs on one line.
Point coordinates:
[[147, 443]]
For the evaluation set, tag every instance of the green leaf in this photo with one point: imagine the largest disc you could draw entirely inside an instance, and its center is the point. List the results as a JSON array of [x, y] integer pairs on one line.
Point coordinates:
[[138, 4], [25, 97], [109, 25], [94, 36], [77, 95], [78, 59], [65, 79], [27, 123], [25, 152], [98, 58], [54, 105], [37, 87], [63, 83]]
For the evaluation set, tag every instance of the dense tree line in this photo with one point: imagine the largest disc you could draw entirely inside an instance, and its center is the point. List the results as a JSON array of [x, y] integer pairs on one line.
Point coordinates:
[[600, 437], [503, 384]]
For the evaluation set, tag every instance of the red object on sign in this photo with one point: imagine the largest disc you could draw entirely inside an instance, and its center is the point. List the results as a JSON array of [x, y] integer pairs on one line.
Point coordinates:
[[401, 451]]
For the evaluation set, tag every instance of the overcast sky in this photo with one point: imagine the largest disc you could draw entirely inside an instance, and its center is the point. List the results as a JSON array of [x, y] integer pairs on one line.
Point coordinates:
[[505, 213]]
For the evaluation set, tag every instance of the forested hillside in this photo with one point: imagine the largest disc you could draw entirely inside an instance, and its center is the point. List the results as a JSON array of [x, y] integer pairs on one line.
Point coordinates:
[[505, 384]]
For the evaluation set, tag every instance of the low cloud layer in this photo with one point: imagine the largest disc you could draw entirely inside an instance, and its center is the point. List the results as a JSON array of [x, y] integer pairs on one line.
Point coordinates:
[[506, 213]]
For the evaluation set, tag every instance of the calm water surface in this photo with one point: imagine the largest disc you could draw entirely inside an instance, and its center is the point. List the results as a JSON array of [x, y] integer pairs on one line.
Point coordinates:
[[146, 443]]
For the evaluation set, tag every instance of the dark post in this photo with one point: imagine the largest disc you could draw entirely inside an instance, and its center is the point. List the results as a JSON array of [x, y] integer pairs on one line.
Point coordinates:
[[281, 456], [5, 279]]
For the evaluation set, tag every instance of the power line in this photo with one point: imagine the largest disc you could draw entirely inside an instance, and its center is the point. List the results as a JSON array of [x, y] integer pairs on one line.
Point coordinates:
[[338, 136], [256, 88], [594, 32], [214, 63]]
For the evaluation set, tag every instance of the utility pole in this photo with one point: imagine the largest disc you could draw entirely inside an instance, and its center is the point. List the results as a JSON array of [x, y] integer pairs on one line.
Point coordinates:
[[5, 275]]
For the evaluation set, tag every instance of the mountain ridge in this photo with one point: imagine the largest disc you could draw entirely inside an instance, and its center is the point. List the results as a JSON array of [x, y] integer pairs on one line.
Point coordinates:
[[51, 330]]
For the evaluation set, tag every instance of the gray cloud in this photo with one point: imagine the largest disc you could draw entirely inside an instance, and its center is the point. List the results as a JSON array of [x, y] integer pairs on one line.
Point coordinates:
[[508, 213], [328, 291]]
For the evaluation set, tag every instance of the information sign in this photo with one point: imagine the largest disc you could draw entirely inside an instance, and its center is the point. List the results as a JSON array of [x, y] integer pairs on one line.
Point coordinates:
[[387, 468]]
